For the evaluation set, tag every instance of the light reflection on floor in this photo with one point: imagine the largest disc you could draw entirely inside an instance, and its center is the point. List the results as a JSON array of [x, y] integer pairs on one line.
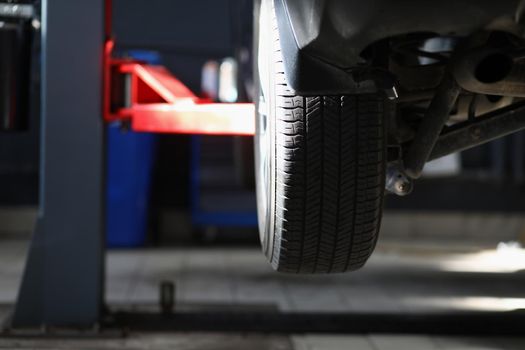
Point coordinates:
[[488, 304], [506, 258]]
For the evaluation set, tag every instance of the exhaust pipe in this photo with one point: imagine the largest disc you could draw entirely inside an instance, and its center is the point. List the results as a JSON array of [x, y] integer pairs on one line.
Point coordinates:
[[491, 71]]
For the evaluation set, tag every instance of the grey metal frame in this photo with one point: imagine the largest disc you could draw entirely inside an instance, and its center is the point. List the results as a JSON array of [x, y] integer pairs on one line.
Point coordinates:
[[63, 282]]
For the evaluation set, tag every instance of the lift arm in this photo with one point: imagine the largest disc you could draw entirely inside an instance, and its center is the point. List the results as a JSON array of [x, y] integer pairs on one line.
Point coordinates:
[[151, 99]]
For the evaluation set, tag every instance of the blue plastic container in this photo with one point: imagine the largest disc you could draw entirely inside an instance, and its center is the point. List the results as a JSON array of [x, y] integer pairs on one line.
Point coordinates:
[[150, 57], [130, 161]]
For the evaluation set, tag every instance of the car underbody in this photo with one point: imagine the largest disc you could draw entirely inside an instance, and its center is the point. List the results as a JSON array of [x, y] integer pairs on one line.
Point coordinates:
[[453, 71]]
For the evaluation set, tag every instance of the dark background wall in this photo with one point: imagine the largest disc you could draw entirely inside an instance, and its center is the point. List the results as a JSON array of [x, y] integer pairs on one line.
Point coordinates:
[[19, 151], [186, 34]]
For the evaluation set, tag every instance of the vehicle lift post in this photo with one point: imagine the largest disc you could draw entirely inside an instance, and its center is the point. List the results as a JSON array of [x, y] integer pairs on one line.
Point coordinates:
[[63, 281]]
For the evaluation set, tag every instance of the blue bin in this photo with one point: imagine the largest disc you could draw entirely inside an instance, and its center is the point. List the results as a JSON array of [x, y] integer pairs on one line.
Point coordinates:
[[150, 57], [130, 161]]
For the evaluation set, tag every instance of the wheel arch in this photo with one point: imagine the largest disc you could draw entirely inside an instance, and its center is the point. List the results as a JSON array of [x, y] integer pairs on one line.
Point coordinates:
[[323, 77], [322, 40]]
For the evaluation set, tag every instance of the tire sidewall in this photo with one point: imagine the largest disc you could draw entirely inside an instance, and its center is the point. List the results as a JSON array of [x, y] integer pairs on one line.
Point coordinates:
[[264, 82]]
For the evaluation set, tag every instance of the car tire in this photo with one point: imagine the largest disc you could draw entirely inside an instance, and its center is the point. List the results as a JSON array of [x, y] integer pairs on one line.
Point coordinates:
[[320, 166]]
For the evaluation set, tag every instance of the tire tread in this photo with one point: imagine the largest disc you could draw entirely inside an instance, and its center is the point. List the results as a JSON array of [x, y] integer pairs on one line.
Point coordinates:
[[330, 173]]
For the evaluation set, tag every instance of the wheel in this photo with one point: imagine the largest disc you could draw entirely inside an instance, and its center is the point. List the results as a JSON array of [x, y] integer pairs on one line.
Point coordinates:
[[320, 167]]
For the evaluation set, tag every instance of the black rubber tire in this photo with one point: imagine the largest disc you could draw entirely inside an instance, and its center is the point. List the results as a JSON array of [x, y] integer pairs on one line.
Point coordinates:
[[326, 176]]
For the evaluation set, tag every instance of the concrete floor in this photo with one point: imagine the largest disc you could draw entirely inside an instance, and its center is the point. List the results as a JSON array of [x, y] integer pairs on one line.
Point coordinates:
[[212, 341], [399, 278]]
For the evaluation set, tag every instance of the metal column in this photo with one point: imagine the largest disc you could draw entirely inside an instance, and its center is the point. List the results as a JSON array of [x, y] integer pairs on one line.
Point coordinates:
[[63, 281]]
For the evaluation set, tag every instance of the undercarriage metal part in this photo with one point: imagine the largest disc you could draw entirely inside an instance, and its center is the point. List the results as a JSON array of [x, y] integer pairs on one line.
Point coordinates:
[[322, 38], [431, 126], [491, 72], [383, 80], [397, 182], [492, 63], [483, 129]]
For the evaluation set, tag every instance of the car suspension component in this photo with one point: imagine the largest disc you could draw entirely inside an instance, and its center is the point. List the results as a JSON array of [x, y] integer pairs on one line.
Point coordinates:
[[433, 122], [483, 129], [397, 182]]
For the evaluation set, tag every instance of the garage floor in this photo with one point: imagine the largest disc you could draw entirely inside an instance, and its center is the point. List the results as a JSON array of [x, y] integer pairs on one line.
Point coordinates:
[[399, 278]]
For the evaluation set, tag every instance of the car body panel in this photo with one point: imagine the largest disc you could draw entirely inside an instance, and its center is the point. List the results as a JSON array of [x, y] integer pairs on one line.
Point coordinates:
[[325, 38]]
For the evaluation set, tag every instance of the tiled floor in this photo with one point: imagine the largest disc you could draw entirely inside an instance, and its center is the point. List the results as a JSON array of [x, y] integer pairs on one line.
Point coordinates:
[[418, 279], [397, 279]]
